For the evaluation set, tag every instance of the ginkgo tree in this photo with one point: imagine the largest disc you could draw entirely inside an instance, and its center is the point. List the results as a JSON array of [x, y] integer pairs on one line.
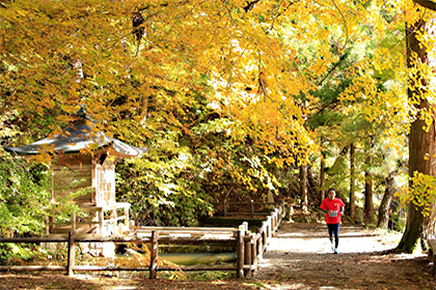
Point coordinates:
[[139, 66], [59, 54], [420, 24]]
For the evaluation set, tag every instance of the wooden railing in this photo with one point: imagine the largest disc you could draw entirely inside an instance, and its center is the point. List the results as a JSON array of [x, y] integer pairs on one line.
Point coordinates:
[[97, 221], [249, 246]]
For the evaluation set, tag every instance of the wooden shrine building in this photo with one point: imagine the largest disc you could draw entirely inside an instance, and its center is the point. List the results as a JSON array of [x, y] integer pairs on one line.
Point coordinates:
[[77, 167]]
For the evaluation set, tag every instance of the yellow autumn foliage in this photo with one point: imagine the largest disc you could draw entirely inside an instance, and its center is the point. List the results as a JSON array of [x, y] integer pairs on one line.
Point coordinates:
[[251, 60]]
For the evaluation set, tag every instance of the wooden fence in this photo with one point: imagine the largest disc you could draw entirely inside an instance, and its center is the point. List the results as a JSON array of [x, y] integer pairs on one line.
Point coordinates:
[[249, 246]]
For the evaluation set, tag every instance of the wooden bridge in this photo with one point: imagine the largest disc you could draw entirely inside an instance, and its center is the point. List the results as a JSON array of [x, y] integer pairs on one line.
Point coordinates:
[[249, 246]]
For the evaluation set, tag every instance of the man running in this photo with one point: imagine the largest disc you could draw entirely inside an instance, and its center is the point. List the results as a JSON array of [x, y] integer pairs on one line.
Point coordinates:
[[334, 208]]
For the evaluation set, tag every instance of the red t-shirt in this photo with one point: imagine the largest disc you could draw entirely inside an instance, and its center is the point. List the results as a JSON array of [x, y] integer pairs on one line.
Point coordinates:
[[334, 205]]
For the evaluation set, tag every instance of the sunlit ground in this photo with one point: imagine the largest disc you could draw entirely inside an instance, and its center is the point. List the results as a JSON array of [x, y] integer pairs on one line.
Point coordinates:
[[318, 241], [289, 250]]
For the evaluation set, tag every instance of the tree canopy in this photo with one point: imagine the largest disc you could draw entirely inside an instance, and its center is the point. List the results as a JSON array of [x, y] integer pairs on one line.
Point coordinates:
[[218, 90]]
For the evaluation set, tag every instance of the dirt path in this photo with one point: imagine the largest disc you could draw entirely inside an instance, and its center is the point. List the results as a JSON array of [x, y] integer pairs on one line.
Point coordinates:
[[300, 258]]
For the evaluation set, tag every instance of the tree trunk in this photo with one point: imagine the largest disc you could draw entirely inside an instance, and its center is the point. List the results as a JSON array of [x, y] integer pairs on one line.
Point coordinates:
[[352, 182], [322, 173], [369, 194], [383, 215], [303, 187], [421, 141], [311, 183], [322, 179], [369, 203]]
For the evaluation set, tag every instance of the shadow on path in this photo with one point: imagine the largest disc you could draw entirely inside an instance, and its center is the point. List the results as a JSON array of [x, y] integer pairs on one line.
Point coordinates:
[[300, 257]]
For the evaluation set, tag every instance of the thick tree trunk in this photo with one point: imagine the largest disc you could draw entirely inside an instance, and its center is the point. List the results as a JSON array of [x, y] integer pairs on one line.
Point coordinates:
[[369, 193], [421, 141], [383, 215], [303, 187], [369, 200], [352, 182]]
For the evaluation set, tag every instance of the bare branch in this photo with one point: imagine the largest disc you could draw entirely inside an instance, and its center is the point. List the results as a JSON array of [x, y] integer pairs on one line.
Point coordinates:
[[250, 5], [429, 4]]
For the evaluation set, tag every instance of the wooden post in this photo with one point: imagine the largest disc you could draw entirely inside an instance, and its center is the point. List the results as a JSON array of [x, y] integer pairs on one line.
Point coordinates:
[[268, 233], [253, 252], [114, 216], [247, 253], [100, 221], [240, 254], [259, 251], [290, 212], [126, 219], [73, 221], [154, 253], [252, 209], [273, 224], [71, 253], [225, 208], [245, 225], [47, 228], [51, 221], [264, 233], [276, 222]]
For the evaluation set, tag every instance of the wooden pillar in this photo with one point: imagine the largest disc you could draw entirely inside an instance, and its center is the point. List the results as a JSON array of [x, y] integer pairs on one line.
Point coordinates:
[[276, 221], [273, 223], [126, 214], [71, 253], [245, 226], [254, 251], [47, 228], [73, 221], [114, 217], [247, 253], [240, 254], [100, 221], [282, 210], [154, 254], [51, 221], [225, 208], [259, 244]]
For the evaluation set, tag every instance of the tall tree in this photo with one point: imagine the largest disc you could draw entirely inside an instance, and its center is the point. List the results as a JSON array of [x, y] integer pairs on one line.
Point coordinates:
[[385, 205], [322, 178], [369, 194], [303, 188], [352, 181], [422, 131]]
